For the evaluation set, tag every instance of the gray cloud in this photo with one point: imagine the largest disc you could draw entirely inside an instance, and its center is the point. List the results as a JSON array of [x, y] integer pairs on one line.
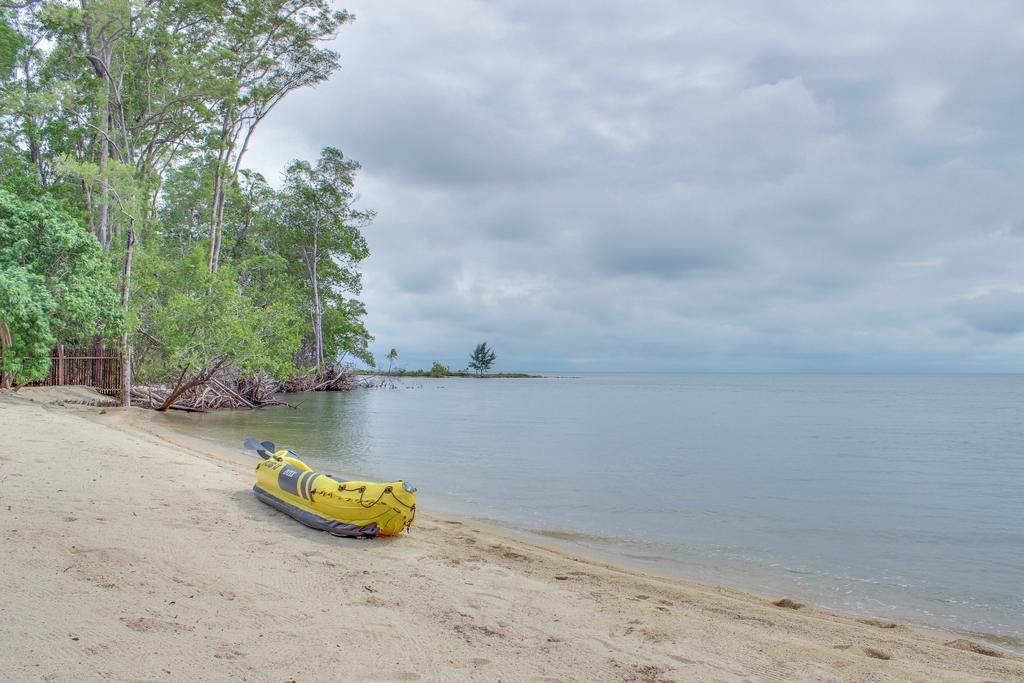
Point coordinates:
[[697, 185], [1000, 311]]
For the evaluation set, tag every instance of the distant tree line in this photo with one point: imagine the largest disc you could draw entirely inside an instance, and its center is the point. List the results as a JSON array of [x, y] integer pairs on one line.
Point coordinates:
[[480, 362]]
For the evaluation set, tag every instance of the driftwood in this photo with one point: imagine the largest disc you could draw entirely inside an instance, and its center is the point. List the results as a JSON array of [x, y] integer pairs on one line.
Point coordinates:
[[258, 390], [335, 377], [213, 393], [218, 387], [186, 383]]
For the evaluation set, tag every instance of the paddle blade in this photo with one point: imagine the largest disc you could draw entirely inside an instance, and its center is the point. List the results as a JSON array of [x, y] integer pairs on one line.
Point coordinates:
[[269, 445], [253, 444]]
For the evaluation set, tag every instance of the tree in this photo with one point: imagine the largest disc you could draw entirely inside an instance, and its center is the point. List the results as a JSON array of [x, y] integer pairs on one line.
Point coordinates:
[[320, 228], [344, 333], [200, 322], [276, 242], [131, 118], [392, 357], [268, 49], [482, 359], [25, 336], [143, 80], [55, 285]]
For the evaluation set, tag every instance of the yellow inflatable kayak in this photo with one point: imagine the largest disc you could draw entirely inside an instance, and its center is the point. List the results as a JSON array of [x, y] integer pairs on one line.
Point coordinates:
[[343, 508]]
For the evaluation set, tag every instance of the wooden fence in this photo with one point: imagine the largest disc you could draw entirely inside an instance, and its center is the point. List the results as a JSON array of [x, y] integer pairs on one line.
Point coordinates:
[[98, 367]]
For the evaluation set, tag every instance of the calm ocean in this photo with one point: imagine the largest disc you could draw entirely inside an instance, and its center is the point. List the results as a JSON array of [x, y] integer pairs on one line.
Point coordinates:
[[889, 495]]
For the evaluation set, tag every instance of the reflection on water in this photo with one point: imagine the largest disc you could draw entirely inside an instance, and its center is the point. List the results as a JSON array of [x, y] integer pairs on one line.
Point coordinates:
[[897, 496]]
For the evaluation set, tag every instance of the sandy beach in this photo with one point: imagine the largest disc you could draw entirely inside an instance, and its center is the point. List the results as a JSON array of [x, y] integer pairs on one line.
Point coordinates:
[[135, 553]]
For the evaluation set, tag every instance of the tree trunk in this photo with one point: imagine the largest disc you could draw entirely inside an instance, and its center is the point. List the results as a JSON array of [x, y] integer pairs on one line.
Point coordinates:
[[31, 127], [227, 143], [318, 340], [220, 222], [309, 258], [5, 342], [126, 352], [214, 227], [103, 225], [318, 329], [101, 66], [90, 217]]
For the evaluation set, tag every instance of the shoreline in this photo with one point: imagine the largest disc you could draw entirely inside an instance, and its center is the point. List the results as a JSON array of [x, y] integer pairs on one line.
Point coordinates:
[[673, 569], [574, 545], [469, 600], [820, 590], [670, 569]]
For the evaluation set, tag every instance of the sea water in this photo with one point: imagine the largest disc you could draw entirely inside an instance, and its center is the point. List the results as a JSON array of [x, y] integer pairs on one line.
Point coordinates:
[[898, 496]]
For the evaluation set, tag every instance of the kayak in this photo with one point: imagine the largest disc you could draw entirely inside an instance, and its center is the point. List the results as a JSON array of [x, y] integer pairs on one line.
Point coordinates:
[[359, 509]]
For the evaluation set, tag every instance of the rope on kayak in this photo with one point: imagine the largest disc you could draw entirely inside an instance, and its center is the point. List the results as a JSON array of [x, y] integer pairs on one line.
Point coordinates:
[[387, 490]]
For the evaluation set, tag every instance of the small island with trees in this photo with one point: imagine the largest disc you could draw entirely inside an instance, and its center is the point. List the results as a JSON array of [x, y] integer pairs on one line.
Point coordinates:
[[480, 361]]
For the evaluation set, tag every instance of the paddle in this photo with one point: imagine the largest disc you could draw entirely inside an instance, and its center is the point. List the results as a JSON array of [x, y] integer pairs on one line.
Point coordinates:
[[264, 448], [267, 449]]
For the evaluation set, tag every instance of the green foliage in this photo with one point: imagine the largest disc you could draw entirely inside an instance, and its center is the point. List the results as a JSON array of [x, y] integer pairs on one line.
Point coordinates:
[[40, 237], [183, 214], [318, 231], [482, 359], [122, 130], [55, 285], [25, 307], [195, 320], [10, 43], [280, 244], [320, 226], [16, 174], [439, 369], [345, 334]]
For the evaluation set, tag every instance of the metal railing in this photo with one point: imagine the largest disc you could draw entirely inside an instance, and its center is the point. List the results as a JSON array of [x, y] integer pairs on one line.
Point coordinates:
[[98, 367]]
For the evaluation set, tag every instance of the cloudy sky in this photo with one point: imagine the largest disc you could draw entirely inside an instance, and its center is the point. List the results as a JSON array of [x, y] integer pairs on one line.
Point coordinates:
[[703, 185]]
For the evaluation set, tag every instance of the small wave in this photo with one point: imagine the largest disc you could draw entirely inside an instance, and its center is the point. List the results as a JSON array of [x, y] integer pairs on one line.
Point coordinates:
[[649, 558], [580, 536], [1012, 643]]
